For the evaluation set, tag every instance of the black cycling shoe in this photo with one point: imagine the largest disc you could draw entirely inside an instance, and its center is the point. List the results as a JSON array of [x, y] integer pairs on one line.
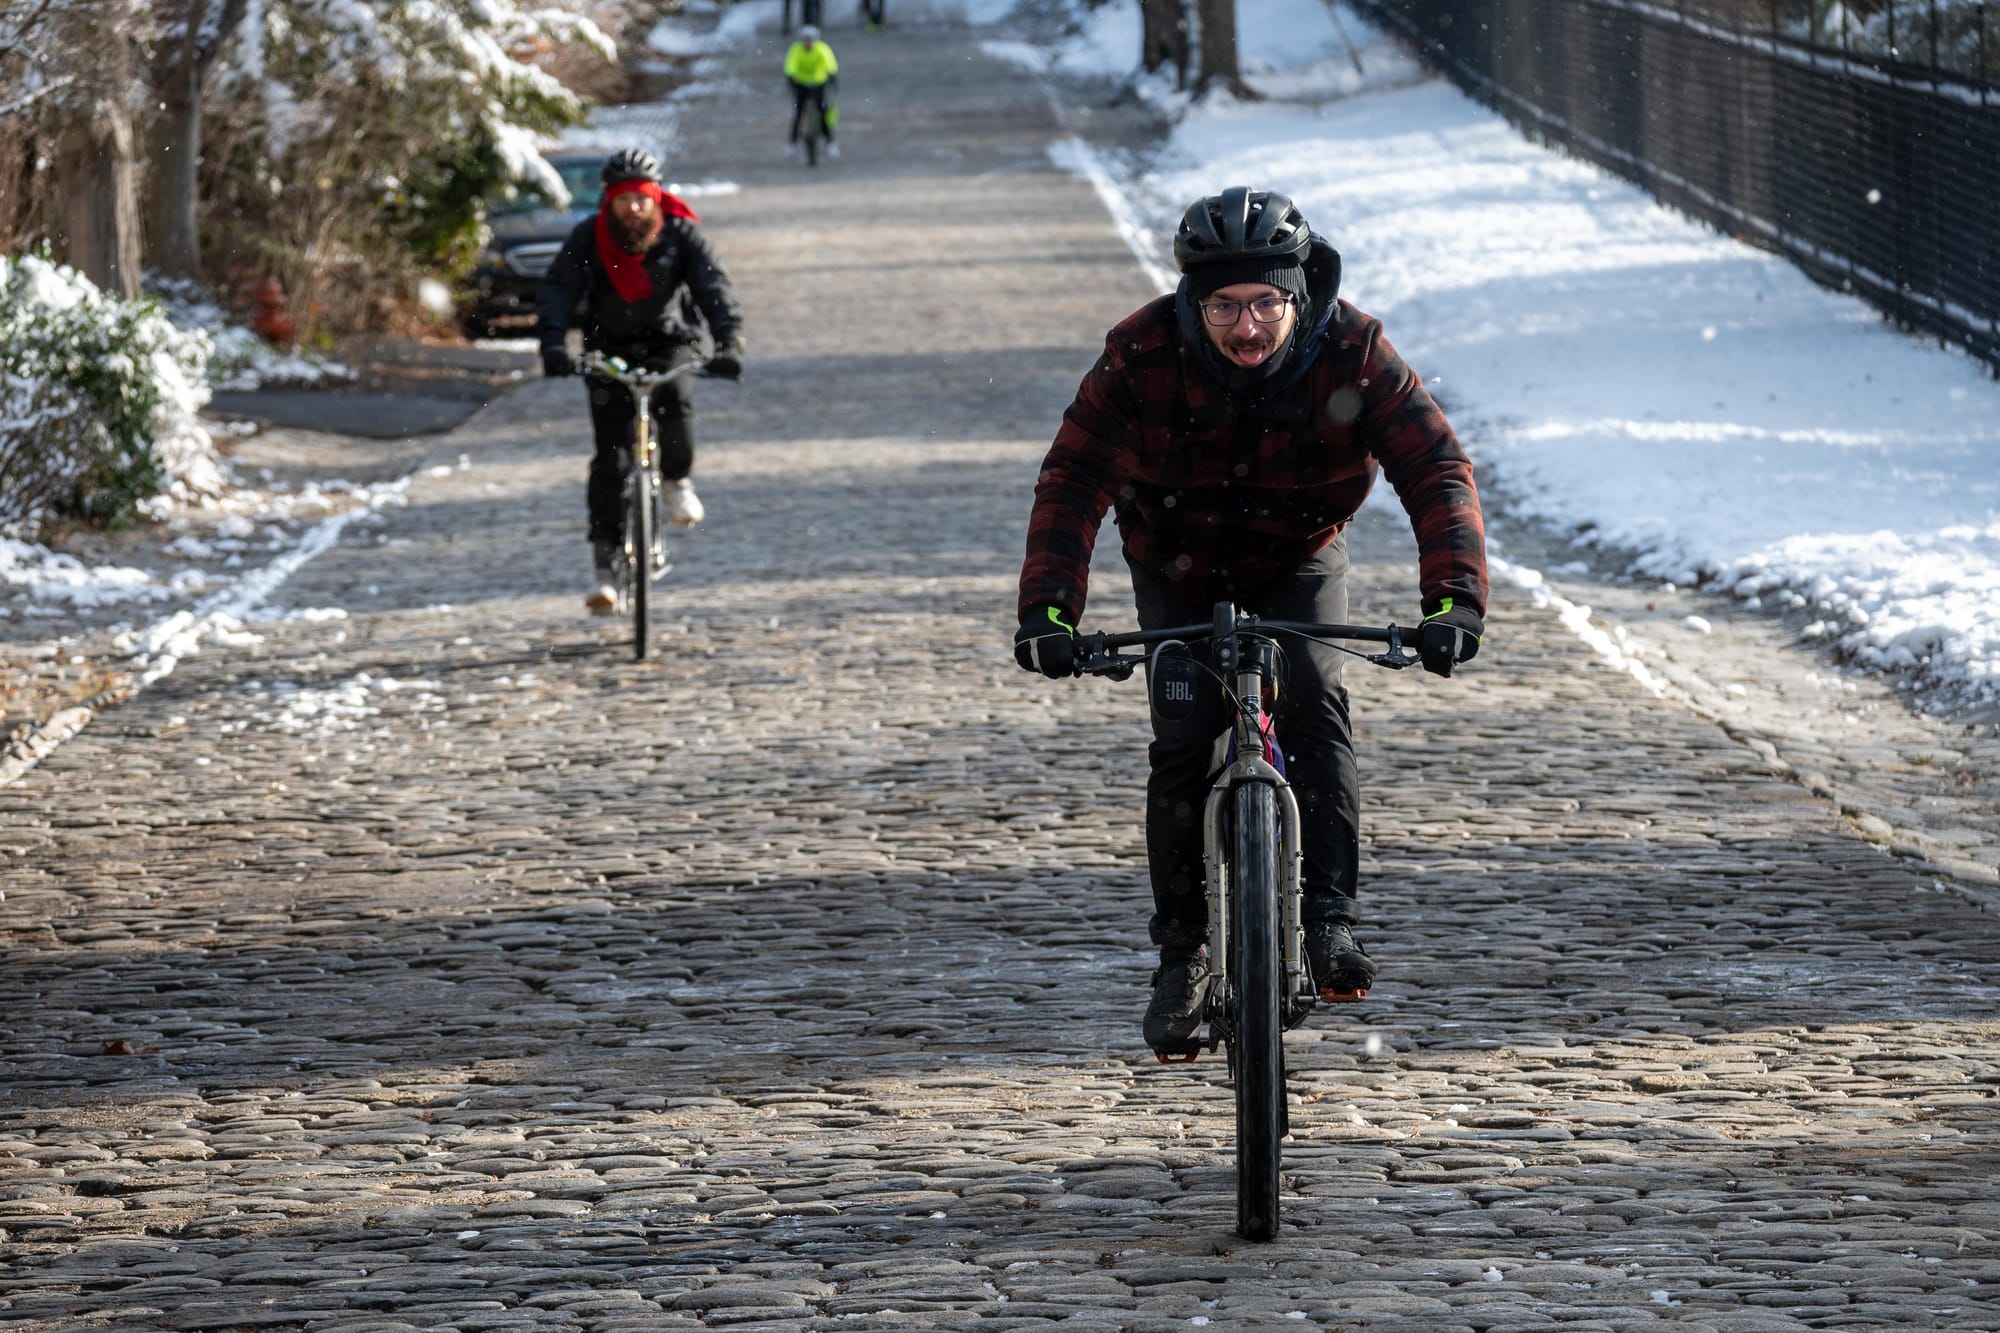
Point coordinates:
[[1180, 994], [1341, 971]]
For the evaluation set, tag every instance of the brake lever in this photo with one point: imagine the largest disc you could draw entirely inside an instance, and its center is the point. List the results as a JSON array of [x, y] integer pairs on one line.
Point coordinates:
[[1096, 660], [1396, 658]]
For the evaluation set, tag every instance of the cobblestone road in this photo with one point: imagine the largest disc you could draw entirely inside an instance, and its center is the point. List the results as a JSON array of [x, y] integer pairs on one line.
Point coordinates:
[[442, 967]]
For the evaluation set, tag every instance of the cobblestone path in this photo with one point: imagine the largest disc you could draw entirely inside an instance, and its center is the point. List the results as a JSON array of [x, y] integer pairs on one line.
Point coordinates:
[[442, 967]]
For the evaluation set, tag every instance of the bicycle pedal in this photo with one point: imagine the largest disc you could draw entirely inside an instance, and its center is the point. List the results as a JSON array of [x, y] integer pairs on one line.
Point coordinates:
[[1354, 996]]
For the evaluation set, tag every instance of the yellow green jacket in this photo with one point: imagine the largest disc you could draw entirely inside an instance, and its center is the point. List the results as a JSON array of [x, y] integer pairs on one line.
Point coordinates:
[[811, 66]]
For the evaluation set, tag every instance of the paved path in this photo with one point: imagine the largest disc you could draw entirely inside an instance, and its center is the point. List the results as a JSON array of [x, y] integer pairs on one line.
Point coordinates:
[[442, 967]]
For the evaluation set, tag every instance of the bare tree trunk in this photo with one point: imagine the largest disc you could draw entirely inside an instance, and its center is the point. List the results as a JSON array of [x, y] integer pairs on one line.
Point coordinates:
[[173, 238], [1164, 39], [173, 152], [96, 193], [1219, 69], [174, 140]]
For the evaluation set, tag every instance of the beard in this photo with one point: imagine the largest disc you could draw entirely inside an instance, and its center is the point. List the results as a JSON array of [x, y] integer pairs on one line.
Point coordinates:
[[636, 236]]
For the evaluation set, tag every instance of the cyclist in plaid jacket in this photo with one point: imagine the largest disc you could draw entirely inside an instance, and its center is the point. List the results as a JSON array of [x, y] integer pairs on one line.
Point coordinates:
[[1235, 427]]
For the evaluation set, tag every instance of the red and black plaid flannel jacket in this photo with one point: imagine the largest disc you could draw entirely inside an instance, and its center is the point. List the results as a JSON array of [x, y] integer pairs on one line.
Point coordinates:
[[1219, 499]]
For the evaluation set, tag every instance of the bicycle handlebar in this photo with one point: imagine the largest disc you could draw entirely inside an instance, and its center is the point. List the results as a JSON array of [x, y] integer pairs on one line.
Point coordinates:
[[1098, 655], [638, 377]]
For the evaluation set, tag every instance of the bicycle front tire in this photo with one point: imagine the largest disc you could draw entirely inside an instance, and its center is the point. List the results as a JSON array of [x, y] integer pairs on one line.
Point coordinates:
[[639, 536], [1258, 1022]]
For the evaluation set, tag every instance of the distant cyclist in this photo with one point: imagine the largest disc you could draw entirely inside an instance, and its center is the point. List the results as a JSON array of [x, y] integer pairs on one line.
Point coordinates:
[[814, 74], [634, 269]]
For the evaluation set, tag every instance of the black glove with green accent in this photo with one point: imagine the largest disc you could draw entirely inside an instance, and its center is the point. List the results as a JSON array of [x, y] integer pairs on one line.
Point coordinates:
[[1046, 643], [1450, 635]]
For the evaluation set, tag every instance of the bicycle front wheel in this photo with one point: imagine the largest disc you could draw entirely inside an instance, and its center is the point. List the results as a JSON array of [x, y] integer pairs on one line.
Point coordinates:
[[639, 539], [1255, 979]]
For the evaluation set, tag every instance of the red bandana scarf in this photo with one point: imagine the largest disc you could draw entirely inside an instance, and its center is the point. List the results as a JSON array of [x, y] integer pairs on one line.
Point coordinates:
[[628, 271]]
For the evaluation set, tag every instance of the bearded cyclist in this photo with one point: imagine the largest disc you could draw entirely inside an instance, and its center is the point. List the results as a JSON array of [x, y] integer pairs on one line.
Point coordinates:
[[1236, 426], [638, 270]]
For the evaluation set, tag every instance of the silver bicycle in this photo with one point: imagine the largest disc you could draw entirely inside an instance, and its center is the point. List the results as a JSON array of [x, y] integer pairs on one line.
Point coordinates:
[[642, 557]]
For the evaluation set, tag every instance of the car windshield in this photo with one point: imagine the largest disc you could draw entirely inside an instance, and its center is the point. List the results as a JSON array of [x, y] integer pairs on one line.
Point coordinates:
[[578, 176]]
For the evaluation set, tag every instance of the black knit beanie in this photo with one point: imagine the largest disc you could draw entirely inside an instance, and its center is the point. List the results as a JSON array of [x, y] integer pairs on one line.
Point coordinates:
[[1204, 280]]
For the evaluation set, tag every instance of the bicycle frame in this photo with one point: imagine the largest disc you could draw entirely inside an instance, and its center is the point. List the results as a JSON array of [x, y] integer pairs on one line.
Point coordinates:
[[640, 383]]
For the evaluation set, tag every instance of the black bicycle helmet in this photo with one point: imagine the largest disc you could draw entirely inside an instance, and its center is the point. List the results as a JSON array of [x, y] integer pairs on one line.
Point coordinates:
[[1241, 224], [630, 164]]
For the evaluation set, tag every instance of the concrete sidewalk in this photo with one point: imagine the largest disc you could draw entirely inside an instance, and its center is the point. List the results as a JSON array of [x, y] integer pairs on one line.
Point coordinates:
[[440, 966]]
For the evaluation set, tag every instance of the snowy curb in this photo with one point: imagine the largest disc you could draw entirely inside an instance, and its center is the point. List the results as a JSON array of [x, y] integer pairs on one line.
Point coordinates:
[[1080, 159], [1701, 697], [165, 643]]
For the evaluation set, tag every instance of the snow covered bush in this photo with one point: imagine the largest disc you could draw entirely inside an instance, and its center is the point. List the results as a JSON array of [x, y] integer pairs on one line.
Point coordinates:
[[352, 141], [97, 399]]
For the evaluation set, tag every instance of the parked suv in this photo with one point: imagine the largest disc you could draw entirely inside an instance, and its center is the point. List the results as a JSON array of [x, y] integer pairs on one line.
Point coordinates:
[[527, 235]]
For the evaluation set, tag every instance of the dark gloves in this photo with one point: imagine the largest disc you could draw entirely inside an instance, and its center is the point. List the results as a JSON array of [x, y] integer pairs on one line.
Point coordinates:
[[557, 362], [1449, 636], [1046, 643], [727, 363]]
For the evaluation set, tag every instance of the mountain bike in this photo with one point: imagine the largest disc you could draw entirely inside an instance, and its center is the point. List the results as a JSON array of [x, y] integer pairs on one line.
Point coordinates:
[[642, 556], [1252, 854]]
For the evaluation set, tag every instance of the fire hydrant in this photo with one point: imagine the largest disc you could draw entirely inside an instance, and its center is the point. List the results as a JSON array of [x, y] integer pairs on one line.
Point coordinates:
[[271, 322]]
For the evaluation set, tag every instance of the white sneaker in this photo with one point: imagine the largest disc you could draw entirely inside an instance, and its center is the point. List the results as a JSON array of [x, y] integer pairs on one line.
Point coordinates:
[[683, 505], [603, 599], [833, 152]]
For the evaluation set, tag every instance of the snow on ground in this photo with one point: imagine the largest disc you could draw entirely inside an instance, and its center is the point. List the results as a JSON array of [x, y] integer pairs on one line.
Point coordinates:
[[697, 31], [1691, 405], [302, 709], [35, 580]]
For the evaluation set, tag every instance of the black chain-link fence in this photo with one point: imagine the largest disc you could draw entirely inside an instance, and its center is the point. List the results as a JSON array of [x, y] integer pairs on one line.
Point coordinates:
[[1860, 140]]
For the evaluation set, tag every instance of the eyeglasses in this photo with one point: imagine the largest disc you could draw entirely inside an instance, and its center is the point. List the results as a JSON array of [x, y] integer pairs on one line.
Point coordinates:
[[1265, 310]]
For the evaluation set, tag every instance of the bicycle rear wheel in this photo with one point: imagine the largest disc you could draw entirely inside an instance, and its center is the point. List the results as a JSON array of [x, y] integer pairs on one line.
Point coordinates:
[[639, 542], [1255, 980]]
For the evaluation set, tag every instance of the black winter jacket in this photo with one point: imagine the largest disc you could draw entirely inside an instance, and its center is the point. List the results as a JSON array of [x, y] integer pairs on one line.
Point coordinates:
[[687, 278]]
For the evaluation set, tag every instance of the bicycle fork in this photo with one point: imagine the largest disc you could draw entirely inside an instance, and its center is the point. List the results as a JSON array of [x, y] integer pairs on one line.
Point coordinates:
[[1215, 859]]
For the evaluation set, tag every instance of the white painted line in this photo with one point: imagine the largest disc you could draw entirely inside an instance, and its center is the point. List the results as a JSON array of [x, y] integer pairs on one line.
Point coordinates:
[[1076, 156]]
